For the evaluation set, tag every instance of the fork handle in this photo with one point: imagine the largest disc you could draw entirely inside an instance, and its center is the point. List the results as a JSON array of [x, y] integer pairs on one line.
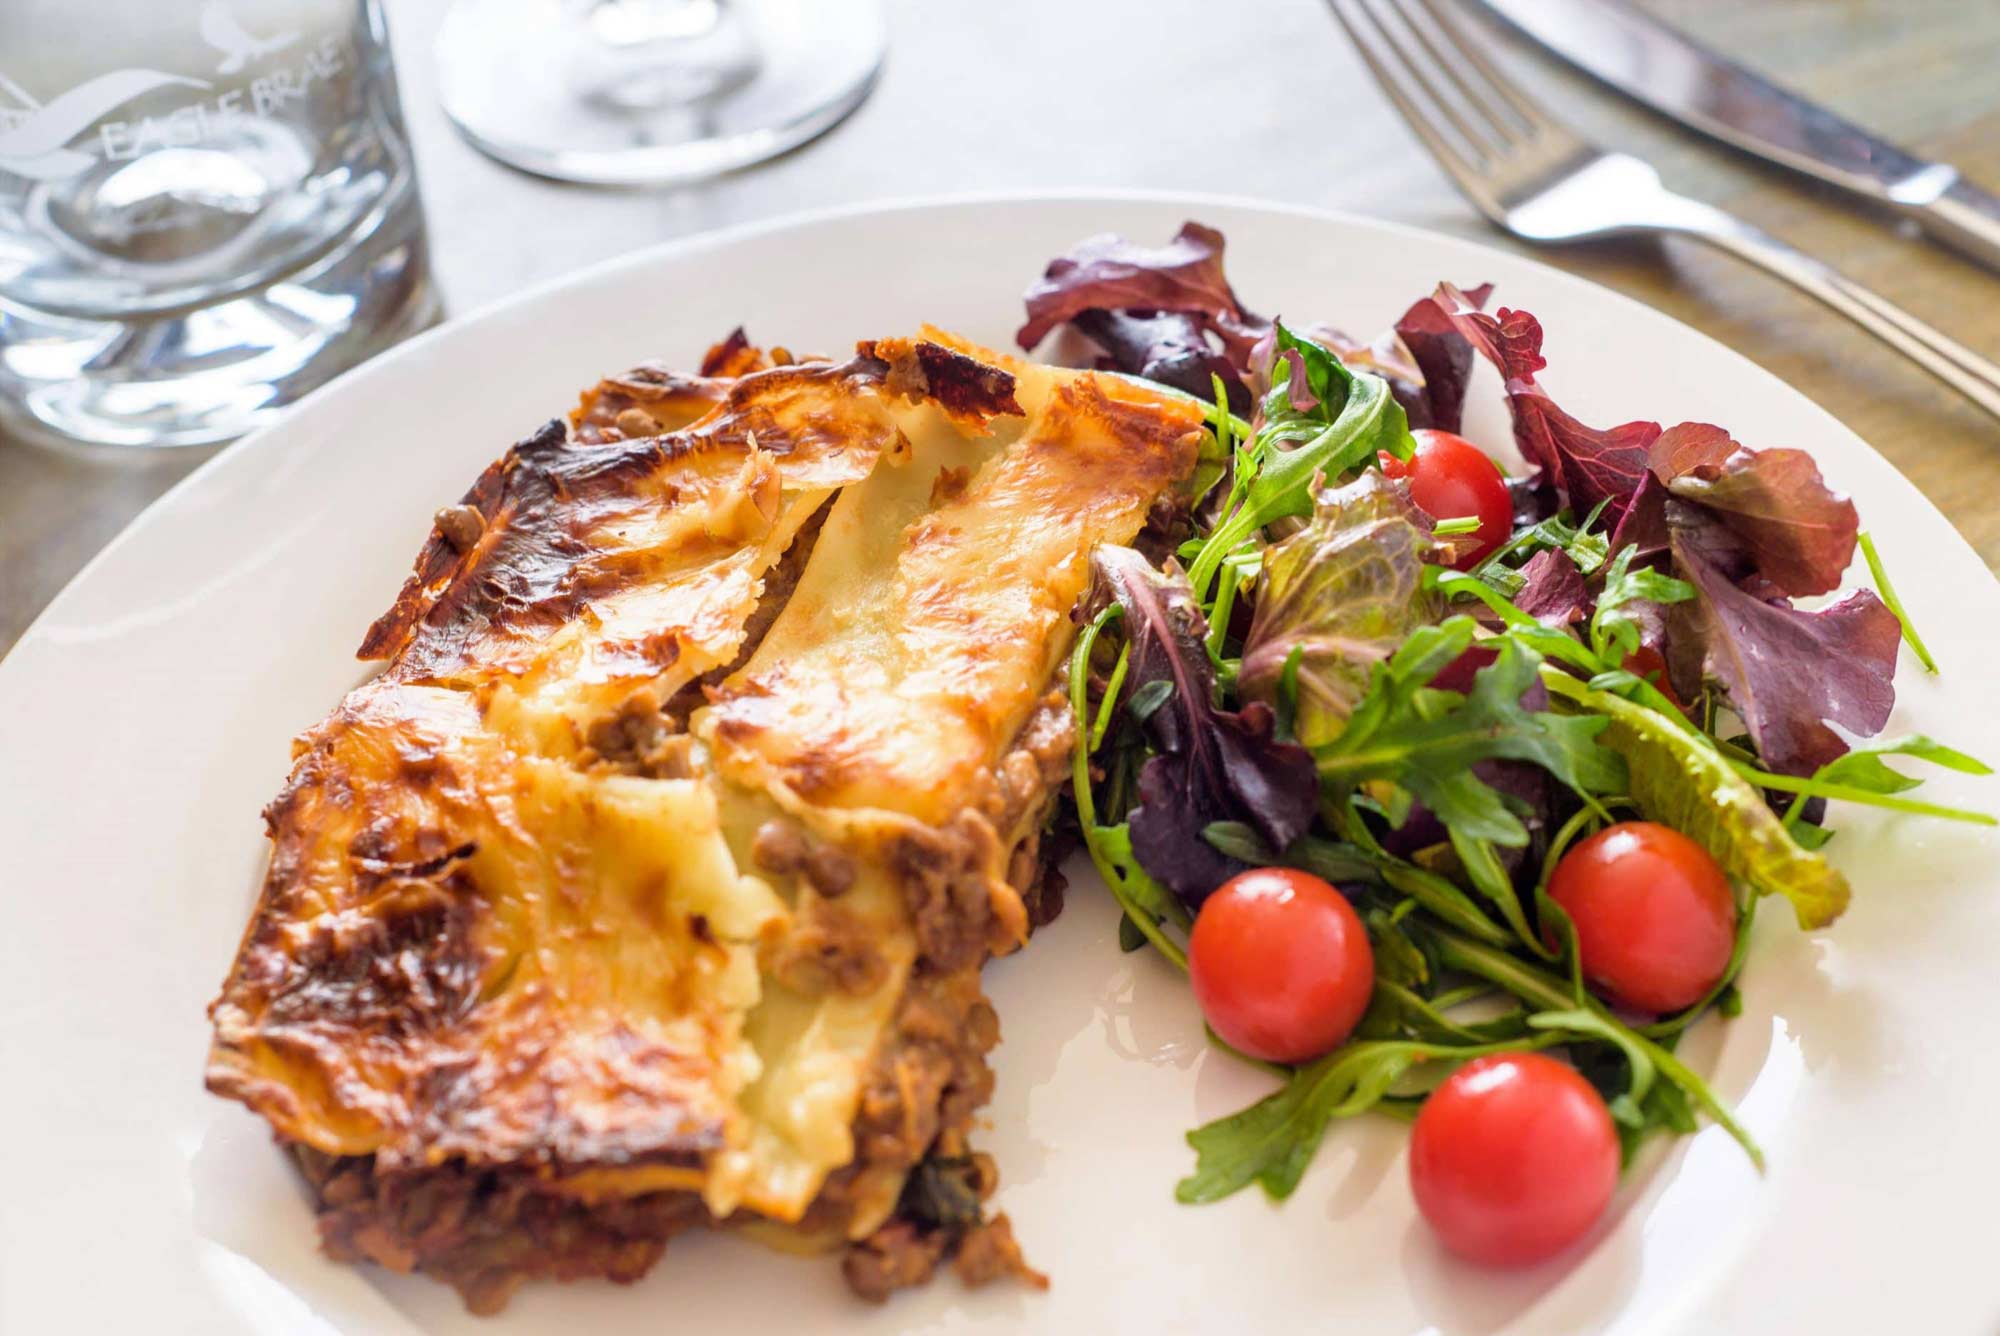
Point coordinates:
[[1944, 357]]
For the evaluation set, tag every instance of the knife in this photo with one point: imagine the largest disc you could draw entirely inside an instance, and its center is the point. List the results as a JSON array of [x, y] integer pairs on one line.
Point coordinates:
[[1647, 60]]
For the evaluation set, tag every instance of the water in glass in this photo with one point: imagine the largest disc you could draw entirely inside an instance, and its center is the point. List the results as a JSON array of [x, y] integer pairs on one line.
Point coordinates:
[[206, 209]]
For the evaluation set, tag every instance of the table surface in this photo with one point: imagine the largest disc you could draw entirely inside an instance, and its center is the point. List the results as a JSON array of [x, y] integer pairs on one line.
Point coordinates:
[[1262, 98]]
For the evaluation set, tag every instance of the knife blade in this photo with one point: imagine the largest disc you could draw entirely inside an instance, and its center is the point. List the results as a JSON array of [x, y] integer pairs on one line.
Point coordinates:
[[1646, 60]]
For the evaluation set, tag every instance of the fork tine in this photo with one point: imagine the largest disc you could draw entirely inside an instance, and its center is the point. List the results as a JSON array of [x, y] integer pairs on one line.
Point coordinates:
[[1430, 75], [1467, 54], [1386, 63]]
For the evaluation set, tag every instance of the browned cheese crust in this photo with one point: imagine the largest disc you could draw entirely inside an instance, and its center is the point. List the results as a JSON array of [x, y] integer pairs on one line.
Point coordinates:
[[648, 884]]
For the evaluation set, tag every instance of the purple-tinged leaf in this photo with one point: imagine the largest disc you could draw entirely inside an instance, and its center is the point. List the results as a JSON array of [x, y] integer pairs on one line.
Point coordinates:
[[1799, 532], [1342, 593], [1588, 465], [1298, 387], [1443, 357], [1553, 590], [1108, 273], [1644, 524], [1169, 348], [1788, 671], [1210, 764]]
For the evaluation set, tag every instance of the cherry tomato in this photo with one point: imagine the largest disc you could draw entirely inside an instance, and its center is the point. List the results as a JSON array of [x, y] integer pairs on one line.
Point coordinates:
[[1650, 664], [1655, 919], [1512, 1159], [1451, 478], [1280, 964]]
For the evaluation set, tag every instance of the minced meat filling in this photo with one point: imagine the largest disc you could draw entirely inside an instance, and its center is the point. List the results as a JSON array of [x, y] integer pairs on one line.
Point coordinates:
[[486, 1232]]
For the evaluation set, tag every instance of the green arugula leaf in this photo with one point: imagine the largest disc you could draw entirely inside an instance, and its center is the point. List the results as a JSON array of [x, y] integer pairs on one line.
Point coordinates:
[[1680, 781], [1626, 1108], [1546, 992], [1586, 548], [1489, 877], [1864, 768], [1409, 1013], [1614, 627], [1863, 771], [1350, 417], [1887, 592], [1329, 860], [1211, 462], [1147, 904], [1426, 742], [1434, 893], [1149, 698], [1271, 1142]]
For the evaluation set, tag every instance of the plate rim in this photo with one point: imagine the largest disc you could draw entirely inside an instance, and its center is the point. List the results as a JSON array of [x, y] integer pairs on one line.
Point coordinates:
[[261, 440], [268, 461]]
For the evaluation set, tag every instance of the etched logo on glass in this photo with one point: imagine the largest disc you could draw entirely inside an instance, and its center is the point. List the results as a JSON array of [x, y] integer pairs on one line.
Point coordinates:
[[251, 176]]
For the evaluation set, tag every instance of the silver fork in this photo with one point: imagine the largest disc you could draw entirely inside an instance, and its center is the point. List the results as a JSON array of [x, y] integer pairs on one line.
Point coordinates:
[[1543, 182]]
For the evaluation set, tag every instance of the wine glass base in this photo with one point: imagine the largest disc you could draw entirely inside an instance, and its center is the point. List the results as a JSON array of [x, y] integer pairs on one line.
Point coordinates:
[[543, 88]]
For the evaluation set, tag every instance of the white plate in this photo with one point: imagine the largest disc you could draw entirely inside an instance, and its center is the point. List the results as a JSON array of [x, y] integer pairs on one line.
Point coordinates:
[[144, 721]]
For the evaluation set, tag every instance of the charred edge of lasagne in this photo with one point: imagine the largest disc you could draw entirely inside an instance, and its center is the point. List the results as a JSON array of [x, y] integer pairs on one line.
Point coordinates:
[[507, 553], [734, 356], [653, 398], [968, 390], [486, 1232]]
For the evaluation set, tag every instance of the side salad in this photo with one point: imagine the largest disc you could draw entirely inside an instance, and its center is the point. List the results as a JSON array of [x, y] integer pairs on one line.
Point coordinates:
[[1455, 793]]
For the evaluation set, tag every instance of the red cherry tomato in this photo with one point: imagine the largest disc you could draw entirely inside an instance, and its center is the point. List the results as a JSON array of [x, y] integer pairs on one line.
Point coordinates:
[[1650, 664], [1280, 964], [1451, 478], [1513, 1159], [1655, 919]]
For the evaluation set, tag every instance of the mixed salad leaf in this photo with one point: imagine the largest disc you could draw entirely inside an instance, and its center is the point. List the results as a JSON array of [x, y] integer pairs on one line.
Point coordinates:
[[1325, 677], [1153, 311], [1584, 465], [1207, 764]]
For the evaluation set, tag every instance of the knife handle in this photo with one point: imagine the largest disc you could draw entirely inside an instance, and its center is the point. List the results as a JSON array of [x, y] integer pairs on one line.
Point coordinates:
[[1966, 218], [1944, 357]]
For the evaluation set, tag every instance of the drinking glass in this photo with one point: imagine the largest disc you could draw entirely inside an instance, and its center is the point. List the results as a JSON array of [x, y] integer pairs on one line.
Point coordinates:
[[206, 209], [652, 92]]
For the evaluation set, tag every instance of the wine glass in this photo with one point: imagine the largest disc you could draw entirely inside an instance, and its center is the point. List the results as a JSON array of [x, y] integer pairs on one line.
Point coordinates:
[[653, 92]]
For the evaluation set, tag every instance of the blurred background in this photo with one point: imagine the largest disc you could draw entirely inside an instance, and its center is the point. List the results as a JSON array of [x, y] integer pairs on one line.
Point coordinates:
[[1260, 98]]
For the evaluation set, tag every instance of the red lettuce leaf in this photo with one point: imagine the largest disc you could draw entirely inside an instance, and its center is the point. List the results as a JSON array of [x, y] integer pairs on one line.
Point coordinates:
[[1797, 532], [1108, 273], [1168, 348], [1426, 361], [1588, 465], [1210, 764], [1789, 671], [1443, 356], [1687, 447], [1554, 591], [1644, 524]]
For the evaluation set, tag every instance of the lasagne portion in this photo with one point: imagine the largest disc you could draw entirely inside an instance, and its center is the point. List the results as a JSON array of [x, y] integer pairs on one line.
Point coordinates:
[[648, 884]]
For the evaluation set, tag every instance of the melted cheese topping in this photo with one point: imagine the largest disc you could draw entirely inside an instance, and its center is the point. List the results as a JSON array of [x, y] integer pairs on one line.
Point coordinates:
[[473, 946], [936, 603], [463, 951]]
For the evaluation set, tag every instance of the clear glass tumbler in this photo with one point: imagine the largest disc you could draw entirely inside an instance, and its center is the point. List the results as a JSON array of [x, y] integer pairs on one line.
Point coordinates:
[[206, 209]]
